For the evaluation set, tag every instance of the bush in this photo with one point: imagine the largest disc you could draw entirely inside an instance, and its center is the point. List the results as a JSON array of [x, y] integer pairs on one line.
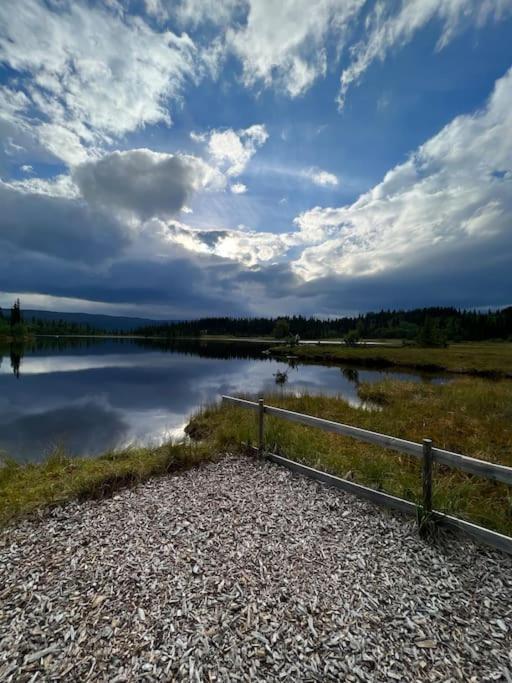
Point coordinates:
[[352, 338]]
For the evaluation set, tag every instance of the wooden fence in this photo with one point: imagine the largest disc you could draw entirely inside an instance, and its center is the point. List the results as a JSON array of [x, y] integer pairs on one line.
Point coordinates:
[[424, 451]]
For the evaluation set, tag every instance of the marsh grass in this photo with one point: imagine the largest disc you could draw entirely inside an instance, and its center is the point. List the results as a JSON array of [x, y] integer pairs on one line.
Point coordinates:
[[491, 359], [469, 416], [25, 488]]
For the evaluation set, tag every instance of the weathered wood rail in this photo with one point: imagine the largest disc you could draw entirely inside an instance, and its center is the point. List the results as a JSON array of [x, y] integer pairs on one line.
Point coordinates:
[[425, 451]]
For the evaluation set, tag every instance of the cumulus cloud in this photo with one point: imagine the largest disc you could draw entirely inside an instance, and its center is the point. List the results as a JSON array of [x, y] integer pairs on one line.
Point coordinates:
[[95, 73], [238, 188], [247, 247], [144, 182], [322, 178], [386, 29], [451, 201], [233, 149]]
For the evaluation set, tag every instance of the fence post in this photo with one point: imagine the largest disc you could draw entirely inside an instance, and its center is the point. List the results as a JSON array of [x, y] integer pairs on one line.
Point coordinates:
[[261, 413], [427, 475]]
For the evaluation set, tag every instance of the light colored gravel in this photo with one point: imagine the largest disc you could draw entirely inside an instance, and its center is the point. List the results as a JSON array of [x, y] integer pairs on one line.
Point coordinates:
[[240, 571]]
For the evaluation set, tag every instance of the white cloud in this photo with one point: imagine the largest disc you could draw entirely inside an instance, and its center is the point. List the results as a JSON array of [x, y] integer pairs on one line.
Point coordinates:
[[247, 247], [12, 102], [386, 30], [238, 188], [144, 182], [198, 137], [94, 74], [283, 43], [27, 168], [451, 201], [322, 178], [313, 175], [196, 12], [59, 186], [232, 150]]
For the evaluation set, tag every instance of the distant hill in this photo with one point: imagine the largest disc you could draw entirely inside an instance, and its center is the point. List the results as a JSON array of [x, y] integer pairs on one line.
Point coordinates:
[[108, 323]]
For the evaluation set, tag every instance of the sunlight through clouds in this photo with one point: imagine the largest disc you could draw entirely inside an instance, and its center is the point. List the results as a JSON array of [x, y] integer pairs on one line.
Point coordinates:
[[119, 119]]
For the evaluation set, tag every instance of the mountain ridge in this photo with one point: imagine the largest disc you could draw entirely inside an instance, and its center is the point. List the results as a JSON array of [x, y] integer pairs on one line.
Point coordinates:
[[97, 320]]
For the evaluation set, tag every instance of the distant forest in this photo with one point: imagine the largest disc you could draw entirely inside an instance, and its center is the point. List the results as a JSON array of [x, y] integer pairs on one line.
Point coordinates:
[[15, 324], [449, 324], [427, 326]]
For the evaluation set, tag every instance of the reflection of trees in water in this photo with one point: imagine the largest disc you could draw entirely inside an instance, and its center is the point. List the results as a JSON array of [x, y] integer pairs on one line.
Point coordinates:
[[351, 374], [57, 343], [207, 349], [192, 347], [16, 353], [281, 377]]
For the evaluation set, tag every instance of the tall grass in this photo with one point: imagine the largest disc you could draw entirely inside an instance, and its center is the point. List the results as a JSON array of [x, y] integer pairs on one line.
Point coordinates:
[[25, 488], [470, 416]]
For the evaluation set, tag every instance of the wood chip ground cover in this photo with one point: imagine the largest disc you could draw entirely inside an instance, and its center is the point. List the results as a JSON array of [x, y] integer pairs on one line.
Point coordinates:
[[240, 571]]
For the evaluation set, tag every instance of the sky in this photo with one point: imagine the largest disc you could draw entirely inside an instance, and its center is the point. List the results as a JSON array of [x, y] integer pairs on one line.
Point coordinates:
[[188, 158]]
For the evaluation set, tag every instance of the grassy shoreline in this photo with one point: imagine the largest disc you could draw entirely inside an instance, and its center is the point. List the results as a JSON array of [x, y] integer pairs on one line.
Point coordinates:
[[487, 359], [469, 416], [26, 488]]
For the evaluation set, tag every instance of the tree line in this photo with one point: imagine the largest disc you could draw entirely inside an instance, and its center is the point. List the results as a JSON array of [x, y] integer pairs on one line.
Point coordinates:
[[430, 326], [433, 326]]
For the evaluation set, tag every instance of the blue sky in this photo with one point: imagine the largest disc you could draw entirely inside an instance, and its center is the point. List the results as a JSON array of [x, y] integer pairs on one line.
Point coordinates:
[[199, 157]]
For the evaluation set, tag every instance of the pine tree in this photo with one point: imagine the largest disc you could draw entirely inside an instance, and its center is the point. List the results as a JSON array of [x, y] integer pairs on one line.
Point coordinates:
[[16, 318]]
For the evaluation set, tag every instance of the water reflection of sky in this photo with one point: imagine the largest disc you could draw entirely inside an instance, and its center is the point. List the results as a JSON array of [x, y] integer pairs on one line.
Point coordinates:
[[112, 394]]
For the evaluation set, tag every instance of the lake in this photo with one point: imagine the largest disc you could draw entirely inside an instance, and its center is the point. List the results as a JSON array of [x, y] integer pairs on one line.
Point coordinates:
[[90, 395]]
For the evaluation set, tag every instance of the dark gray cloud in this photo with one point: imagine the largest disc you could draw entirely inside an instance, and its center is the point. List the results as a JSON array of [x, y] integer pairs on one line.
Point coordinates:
[[186, 285], [191, 285], [59, 226], [143, 182]]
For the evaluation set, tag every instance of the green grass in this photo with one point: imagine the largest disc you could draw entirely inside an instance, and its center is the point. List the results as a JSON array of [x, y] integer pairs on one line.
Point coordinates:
[[469, 416], [486, 358], [25, 488]]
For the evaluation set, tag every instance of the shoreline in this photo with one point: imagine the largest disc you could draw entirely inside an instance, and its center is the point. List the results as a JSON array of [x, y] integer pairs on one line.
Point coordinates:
[[487, 360], [388, 358]]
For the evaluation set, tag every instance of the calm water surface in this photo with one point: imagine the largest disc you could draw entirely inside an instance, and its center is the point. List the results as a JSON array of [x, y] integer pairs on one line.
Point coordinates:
[[89, 396]]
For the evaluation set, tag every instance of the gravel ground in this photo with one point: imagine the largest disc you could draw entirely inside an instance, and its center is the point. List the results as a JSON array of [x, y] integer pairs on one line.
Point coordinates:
[[240, 571]]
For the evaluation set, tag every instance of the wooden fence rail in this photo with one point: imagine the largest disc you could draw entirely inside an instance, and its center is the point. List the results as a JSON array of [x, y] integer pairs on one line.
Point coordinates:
[[425, 451]]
